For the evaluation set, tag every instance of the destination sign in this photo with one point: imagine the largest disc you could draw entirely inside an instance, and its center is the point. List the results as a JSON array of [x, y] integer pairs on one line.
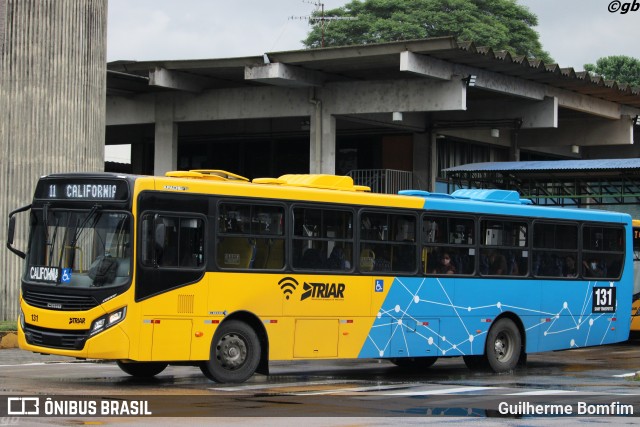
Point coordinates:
[[83, 190], [49, 274]]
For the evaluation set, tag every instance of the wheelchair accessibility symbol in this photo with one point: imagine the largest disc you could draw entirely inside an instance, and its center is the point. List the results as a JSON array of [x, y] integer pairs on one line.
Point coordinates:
[[379, 285], [66, 275]]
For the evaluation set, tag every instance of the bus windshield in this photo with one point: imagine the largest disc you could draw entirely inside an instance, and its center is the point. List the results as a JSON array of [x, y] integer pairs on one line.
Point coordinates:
[[89, 248]]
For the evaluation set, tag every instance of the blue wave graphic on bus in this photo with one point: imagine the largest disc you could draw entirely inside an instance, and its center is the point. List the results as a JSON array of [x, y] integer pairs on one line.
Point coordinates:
[[418, 317]]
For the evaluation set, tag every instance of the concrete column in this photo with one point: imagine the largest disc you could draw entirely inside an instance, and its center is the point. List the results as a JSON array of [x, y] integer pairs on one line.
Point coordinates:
[[433, 162], [52, 107], [165, 156], [328, 165], [322, 153], [514, 149], [421, 158]]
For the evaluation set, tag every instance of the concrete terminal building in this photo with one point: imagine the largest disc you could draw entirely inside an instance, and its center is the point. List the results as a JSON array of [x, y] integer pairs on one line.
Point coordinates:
[[416, 107]]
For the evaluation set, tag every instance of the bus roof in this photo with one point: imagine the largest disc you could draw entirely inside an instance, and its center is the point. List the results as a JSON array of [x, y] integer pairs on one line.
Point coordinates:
[[341, 189]]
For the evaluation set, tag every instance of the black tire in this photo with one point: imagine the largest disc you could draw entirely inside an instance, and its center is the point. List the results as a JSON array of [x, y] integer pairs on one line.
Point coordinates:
[[504, 346], [235, 353], [142, 369], [476, 363], [522, 362], [417, 363]]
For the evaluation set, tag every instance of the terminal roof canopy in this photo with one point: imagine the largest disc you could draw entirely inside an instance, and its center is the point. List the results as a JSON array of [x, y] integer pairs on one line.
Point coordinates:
[[314, 67], [439, 87], [556, 182]]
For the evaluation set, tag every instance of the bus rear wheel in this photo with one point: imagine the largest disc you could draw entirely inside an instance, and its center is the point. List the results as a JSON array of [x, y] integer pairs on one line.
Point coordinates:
[[142, 369], [504, 346], [235, 353]]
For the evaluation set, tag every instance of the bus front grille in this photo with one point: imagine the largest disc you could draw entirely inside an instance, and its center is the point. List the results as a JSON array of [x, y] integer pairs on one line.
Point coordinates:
[[59, 302], [53, 338]]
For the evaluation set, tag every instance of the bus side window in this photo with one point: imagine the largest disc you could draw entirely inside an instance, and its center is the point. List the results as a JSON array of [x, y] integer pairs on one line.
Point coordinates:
[[172, 242], [191, 242], [235, 252], [267, 236], [168, 255]]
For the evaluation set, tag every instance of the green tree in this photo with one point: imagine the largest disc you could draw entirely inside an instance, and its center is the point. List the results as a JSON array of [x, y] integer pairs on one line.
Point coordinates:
[[499, 24], [623, 69]]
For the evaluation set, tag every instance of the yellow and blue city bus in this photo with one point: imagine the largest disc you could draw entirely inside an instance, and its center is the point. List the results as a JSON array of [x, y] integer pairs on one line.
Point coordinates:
[[210, 269]]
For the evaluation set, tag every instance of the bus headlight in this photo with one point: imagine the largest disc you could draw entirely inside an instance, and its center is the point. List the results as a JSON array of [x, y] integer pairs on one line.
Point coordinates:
[[21, 319], [108, 320]]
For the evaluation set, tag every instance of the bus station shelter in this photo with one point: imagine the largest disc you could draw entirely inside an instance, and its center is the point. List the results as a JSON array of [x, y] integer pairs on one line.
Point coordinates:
[[580, 183]]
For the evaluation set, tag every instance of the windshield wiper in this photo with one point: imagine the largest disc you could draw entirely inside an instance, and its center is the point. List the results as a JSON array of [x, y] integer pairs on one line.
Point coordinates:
[[81, 227], [76, 235], [45, 223], [51, 243]]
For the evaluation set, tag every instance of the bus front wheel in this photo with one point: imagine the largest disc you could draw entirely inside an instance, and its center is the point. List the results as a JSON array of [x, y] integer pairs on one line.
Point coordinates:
[[235, 353], [142, 369], [504, 346]]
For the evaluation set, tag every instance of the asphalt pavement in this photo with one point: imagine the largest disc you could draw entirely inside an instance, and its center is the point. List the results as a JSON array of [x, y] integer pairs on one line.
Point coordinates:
[[15, 356]]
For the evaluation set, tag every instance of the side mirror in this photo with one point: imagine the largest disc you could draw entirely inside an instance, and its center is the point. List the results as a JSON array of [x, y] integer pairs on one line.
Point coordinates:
[[11, 231]]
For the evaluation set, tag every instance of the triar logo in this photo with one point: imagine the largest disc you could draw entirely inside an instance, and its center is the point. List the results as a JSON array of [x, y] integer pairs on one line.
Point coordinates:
[[323, 291], [288, 285]]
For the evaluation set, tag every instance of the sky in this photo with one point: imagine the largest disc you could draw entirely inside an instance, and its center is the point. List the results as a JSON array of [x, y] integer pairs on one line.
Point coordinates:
[[574, 32]]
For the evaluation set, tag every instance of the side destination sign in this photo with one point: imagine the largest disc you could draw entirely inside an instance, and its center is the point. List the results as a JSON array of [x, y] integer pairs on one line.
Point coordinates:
[[83, 189]]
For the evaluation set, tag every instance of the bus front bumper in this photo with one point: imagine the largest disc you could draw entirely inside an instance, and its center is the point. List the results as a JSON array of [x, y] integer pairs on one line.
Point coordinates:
[[113, 343]]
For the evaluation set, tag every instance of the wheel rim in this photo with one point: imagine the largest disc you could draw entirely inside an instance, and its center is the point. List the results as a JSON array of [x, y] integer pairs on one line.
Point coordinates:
[[502, 346], [231, 351]]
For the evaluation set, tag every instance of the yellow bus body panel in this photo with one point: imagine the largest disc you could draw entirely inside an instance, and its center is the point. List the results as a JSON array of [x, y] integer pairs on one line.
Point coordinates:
[[277, 192], [635, 317]]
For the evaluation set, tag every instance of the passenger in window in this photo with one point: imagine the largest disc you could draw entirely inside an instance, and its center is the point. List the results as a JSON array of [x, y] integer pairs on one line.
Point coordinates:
[[383, 259], [497, 263], [312, 259], [513, 269], [446, 265], [337, 260], [570, 269], [593, 268]]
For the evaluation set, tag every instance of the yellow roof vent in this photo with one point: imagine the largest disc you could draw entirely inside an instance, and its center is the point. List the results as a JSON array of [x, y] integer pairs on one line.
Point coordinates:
[[325, 182], [211, 174]]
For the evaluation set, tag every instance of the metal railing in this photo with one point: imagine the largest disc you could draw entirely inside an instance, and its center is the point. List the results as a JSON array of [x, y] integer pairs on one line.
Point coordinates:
[[387, 181]]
